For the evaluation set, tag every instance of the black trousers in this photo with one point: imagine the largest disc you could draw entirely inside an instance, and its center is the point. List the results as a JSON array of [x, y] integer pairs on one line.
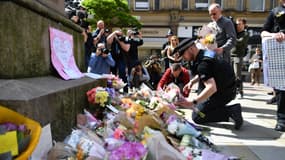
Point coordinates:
[[280, 97], [215, 108]]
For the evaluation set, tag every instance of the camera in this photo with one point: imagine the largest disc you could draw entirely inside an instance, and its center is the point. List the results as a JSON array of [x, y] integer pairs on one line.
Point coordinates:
[[121, 38], [107, 30], [135, 31], [104, 51]]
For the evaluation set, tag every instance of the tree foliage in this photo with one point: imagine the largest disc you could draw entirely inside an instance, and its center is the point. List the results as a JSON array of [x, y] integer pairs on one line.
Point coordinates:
[[115, 13]]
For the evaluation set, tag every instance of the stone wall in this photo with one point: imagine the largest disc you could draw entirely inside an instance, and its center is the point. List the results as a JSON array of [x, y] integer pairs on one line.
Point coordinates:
[[24, 39]]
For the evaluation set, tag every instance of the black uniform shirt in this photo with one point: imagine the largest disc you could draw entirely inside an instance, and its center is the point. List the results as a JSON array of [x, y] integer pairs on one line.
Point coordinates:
[[275, 22], [208, 67]]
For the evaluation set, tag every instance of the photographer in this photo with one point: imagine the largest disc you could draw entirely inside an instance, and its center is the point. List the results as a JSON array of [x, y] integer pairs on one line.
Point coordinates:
[[134, 39], [101, 61], [138, 75], [119, 48], [98, 35]]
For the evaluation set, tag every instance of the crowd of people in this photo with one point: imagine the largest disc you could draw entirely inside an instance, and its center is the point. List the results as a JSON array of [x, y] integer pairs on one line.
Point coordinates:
[[217, 71]]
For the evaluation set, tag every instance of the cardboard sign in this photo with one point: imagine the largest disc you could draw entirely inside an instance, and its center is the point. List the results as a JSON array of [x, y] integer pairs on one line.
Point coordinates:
[[62, 54]]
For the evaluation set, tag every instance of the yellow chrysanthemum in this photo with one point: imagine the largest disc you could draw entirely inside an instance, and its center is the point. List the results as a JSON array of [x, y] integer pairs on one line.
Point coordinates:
[[209, 39], [101, 97]]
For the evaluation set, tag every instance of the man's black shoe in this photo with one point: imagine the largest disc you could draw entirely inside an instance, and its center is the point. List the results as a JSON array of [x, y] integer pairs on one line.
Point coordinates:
[[235, 114], [273, 100], [280, 128]]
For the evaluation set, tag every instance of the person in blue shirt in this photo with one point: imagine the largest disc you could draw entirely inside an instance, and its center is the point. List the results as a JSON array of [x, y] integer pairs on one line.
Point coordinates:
[[101, 61]]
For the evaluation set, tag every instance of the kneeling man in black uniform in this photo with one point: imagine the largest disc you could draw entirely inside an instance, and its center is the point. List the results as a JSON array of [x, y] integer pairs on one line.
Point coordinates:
[[217, 86]]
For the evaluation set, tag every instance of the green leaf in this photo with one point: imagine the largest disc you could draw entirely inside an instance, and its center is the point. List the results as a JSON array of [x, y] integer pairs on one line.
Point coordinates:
[[115, 13]]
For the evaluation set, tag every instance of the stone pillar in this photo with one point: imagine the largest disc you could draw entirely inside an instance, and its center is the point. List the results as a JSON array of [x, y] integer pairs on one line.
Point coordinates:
[[24, 40], [28, 82]]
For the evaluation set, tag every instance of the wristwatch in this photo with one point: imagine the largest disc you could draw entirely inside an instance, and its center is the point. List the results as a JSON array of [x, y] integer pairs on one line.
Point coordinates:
[[194, 101]]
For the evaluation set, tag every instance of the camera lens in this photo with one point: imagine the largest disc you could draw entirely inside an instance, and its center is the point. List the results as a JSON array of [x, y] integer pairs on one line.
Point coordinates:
[[104, 50]]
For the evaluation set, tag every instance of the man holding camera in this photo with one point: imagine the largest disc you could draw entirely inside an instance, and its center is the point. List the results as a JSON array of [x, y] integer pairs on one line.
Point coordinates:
[[138, 75], [98, 35], [134, 39], [101, 61], [119, 48]]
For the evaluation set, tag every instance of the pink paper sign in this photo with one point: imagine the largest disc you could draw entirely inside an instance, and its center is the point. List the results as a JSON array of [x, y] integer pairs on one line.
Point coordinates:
[[62, 54]]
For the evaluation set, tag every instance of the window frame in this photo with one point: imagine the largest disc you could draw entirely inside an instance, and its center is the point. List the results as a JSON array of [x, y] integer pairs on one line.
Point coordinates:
[[141, 9], [202, 3], [155, 6], [251, 10], [241, 6], [207, 5], [188, 5]]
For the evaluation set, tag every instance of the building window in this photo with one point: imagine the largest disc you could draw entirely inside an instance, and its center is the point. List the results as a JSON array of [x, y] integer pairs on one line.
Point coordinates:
[[141, 4], [219, 2], [201, 4], [273, 4], [156, 4], [184, 5], [240, 5], [256, 5]]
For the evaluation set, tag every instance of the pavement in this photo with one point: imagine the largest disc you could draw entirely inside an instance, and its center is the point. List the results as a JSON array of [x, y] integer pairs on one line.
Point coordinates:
[[256, 140]]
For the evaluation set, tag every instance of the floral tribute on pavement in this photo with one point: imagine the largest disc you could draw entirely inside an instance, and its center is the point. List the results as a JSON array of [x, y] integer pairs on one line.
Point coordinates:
[[143, 125]]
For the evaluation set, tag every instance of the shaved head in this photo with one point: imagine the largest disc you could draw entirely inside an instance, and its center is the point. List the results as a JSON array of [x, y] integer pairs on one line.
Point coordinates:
[[215, 11]]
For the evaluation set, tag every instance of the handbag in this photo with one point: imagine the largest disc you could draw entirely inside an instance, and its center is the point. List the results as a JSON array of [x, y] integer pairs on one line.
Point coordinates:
[[255, 65]]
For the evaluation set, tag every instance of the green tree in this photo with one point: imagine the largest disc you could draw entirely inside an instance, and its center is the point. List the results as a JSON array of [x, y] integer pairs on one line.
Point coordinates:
[[114, 13]]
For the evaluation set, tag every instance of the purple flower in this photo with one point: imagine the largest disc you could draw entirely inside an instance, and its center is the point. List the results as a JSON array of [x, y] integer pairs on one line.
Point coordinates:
[[111, 92], [129, 150], [22, 128], [10, 126]]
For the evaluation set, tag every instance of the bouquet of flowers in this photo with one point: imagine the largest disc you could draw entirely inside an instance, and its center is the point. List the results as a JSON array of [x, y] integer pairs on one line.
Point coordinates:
[[207, 35], [116, 82], [99, 95]]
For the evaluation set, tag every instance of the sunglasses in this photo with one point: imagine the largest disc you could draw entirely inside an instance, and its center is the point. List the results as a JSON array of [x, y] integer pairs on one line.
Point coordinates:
[[213, 14]]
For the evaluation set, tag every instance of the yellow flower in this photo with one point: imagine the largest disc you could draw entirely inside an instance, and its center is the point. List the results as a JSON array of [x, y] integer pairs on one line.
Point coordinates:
[[101, 98], [209, 39]]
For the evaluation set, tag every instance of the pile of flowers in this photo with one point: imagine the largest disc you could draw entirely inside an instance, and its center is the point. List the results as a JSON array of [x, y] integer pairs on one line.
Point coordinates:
[[207, 35], [138, 128]]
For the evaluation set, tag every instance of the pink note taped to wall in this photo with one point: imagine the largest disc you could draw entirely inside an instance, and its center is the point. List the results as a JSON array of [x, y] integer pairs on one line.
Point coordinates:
[[62, 54]]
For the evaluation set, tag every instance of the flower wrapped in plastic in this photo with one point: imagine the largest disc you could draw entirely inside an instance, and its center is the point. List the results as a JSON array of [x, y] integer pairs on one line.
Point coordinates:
[[170, 93], [116, 82], [207, 36], [98, 95], [129, 151]]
